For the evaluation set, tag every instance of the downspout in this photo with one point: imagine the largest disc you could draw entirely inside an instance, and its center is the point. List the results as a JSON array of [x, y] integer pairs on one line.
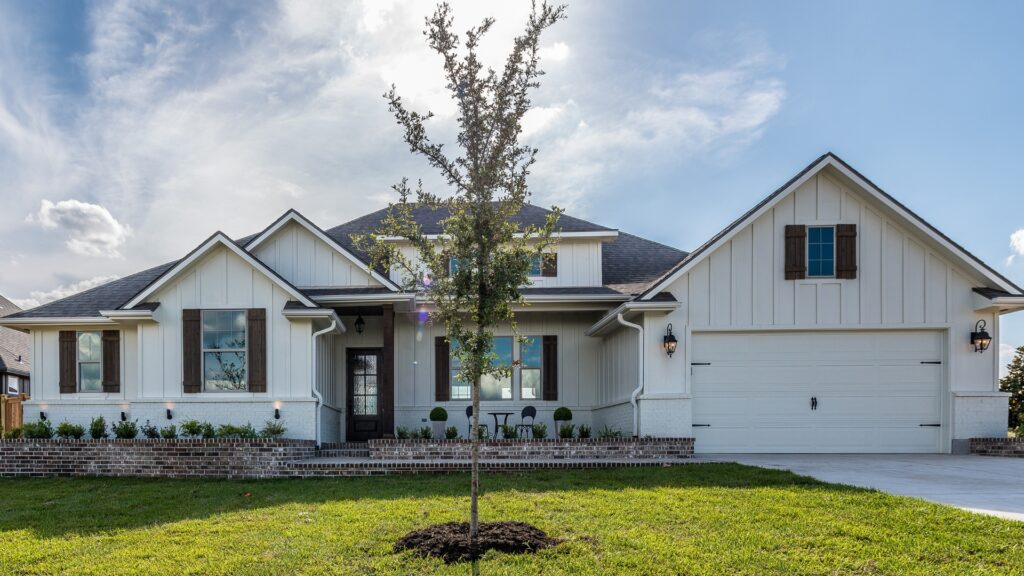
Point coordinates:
[[316, 393], [640, 371]]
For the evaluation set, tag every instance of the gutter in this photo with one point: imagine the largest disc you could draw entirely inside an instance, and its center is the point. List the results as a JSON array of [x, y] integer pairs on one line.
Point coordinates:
[[632, 306], [640, 371], [312, 380]]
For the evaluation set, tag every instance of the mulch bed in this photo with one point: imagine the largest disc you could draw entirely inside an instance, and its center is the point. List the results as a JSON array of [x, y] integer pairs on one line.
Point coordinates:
[[451, 541]]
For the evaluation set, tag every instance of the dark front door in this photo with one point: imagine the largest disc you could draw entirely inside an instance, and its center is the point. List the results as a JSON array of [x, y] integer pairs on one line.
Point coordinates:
[[364, 407]]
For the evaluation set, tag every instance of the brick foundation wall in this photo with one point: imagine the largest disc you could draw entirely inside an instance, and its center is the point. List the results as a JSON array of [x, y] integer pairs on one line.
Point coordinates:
[[548, 449], [152, 458], [1012, 447]]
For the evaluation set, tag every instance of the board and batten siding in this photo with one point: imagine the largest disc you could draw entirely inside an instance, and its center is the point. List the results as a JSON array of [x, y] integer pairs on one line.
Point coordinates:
[[307, 261]]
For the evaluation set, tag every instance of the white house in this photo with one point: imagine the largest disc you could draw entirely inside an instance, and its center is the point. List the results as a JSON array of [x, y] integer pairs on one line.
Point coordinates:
[[828, 318]]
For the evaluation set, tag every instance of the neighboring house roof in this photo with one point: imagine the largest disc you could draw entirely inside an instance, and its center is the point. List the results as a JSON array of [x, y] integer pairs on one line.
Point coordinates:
[[15, 346]]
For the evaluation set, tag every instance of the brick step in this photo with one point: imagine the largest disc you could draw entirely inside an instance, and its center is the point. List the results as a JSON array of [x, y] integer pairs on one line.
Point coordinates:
[[344, 446], [344, 453]]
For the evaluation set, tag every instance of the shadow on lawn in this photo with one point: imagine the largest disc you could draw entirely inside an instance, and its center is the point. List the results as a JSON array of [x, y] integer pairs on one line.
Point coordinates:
[[61, 506]]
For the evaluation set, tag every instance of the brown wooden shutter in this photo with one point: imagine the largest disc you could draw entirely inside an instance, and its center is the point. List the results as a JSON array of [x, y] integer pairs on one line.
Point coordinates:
[[257, 350], [549, 377], [191, 351], [846, 251], [442, 370], [549, 265], [111, 360], [68, 369], [796, 251]]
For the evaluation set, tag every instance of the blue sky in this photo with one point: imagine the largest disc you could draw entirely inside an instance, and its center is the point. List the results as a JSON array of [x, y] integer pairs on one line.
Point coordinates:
[[129, 131]]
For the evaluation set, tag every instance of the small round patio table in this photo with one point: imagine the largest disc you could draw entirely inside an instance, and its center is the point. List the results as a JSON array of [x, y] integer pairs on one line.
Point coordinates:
[[503, 422]]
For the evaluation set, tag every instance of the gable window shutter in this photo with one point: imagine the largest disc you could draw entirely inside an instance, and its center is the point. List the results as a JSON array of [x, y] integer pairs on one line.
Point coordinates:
[[111, 360], [191, 351], [846, 251], [549, 378], [549, 265], [796, 252], [68, 356], [257, 350], [442, 370]]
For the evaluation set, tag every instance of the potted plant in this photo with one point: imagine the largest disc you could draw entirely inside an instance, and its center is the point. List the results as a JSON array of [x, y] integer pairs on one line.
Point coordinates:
[[438, 420], [562, 415]]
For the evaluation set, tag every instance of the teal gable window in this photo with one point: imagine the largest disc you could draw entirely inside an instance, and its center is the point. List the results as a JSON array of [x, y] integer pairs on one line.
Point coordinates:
[[821, 252]]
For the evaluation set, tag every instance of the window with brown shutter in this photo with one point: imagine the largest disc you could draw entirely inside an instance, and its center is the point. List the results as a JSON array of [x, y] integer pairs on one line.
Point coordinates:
[[191, 351], [846, 251], [549, 382], [796, 252], [111, 361], [257, 319], [68, 358], [549, 265], [442, 382]]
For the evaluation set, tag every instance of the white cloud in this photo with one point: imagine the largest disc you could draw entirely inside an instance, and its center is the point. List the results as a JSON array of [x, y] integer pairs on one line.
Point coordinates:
[[91, 230], [1017, 245], [557, 52], [38, 298]]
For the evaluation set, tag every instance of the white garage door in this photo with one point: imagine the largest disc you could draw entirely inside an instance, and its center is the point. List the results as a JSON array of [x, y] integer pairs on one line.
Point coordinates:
[[817, 392]]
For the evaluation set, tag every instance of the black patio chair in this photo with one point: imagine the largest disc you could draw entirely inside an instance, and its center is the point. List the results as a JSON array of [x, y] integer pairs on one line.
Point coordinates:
[[526, 430], [469, 425]]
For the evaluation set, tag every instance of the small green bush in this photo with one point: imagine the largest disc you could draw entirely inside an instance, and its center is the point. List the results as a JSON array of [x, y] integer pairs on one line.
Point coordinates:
[[509, 432], [38, 430], [1019, 431], [14, 433], [483, 433], [540, 431], [451, 433], [98, 428], [150, 431], [273, 430], [231, 431], [426, 433], [584, 431], [566, 430], [562, 414], [609, 432], [169, 432], [197, 429], [67, 430], [126, 429], [403, 433], [438, 414]]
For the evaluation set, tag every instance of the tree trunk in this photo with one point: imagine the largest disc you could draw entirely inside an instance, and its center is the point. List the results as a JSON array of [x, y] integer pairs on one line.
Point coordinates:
[[474, 490]]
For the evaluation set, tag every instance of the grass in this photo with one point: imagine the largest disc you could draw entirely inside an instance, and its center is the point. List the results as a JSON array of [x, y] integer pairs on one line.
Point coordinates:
[[696, 519]]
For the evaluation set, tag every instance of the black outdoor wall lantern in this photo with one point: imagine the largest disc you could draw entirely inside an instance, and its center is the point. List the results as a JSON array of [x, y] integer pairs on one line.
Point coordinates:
[[277, 413], [170, 414], [42, 416], [360, 324], [670, 342], [124, 417], [980, 339]]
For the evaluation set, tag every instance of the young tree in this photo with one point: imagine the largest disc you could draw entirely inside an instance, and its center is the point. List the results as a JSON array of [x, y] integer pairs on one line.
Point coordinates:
[[472, 273], [1013, 383]]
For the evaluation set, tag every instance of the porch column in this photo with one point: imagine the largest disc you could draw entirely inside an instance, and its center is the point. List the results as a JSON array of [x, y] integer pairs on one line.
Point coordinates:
[[387, 372]]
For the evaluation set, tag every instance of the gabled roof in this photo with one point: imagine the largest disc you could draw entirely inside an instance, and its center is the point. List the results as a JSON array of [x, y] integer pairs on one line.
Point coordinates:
[[828, 159], [15, 346], [218, 239]]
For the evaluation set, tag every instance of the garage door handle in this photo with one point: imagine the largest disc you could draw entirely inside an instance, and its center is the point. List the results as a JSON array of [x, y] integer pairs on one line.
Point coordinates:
[[931, 362], [931, 425], [701, 425], [814, 402]]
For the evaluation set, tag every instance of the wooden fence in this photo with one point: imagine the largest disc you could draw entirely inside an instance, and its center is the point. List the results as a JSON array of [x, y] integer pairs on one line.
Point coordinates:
[[11, 412]]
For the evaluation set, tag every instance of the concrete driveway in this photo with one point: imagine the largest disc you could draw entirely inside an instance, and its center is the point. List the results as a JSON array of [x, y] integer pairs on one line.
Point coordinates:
[[983, 484]]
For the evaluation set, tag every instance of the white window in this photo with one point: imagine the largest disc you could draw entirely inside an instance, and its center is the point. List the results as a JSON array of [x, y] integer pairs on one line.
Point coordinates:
[[530, 363], [90, 361], [224, 350], [493, 388]]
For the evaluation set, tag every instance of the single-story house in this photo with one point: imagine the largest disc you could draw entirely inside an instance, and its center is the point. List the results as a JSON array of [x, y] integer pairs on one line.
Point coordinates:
[[15, 355], [827, 318]]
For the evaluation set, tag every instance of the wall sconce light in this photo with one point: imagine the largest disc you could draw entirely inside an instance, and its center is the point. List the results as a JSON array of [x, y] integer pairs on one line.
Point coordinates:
[[980, 339], [670, 342], [277, 413], [42, 416], [360, 324], [124, 417], [169, 414]]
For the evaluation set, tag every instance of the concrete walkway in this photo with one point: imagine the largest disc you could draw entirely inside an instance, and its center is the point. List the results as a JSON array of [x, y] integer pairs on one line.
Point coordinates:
[[983, 484]]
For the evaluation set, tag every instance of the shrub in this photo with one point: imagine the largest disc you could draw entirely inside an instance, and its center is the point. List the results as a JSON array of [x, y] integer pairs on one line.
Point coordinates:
[[14, 433], [540, 431], [584, 431], [98, 428], [562, 414], [197, 429], [232, 431], [451, 433], [509, 432], [426, 433], [169, 432], [126, 429], [403, 433], [1019, 431], [609, 432], [38, 430], [273, 430], [68, 430], [150, 431], [483, 433], [438, 414], [566, 430]]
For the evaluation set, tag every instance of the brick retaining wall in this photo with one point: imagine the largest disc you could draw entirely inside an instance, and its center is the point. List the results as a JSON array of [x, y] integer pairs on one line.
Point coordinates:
[[1012, 447], [153, 458], [547, 449]]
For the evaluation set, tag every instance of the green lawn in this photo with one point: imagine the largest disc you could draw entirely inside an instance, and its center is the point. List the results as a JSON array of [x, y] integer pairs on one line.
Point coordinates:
[[697, 519]]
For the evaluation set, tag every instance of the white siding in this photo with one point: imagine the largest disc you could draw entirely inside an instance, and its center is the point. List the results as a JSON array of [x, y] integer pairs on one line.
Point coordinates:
[[305, 260]]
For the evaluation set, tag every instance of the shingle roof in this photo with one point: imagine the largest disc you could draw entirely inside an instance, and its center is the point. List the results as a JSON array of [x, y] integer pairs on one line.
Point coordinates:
[[15, 346], [630, 263]]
